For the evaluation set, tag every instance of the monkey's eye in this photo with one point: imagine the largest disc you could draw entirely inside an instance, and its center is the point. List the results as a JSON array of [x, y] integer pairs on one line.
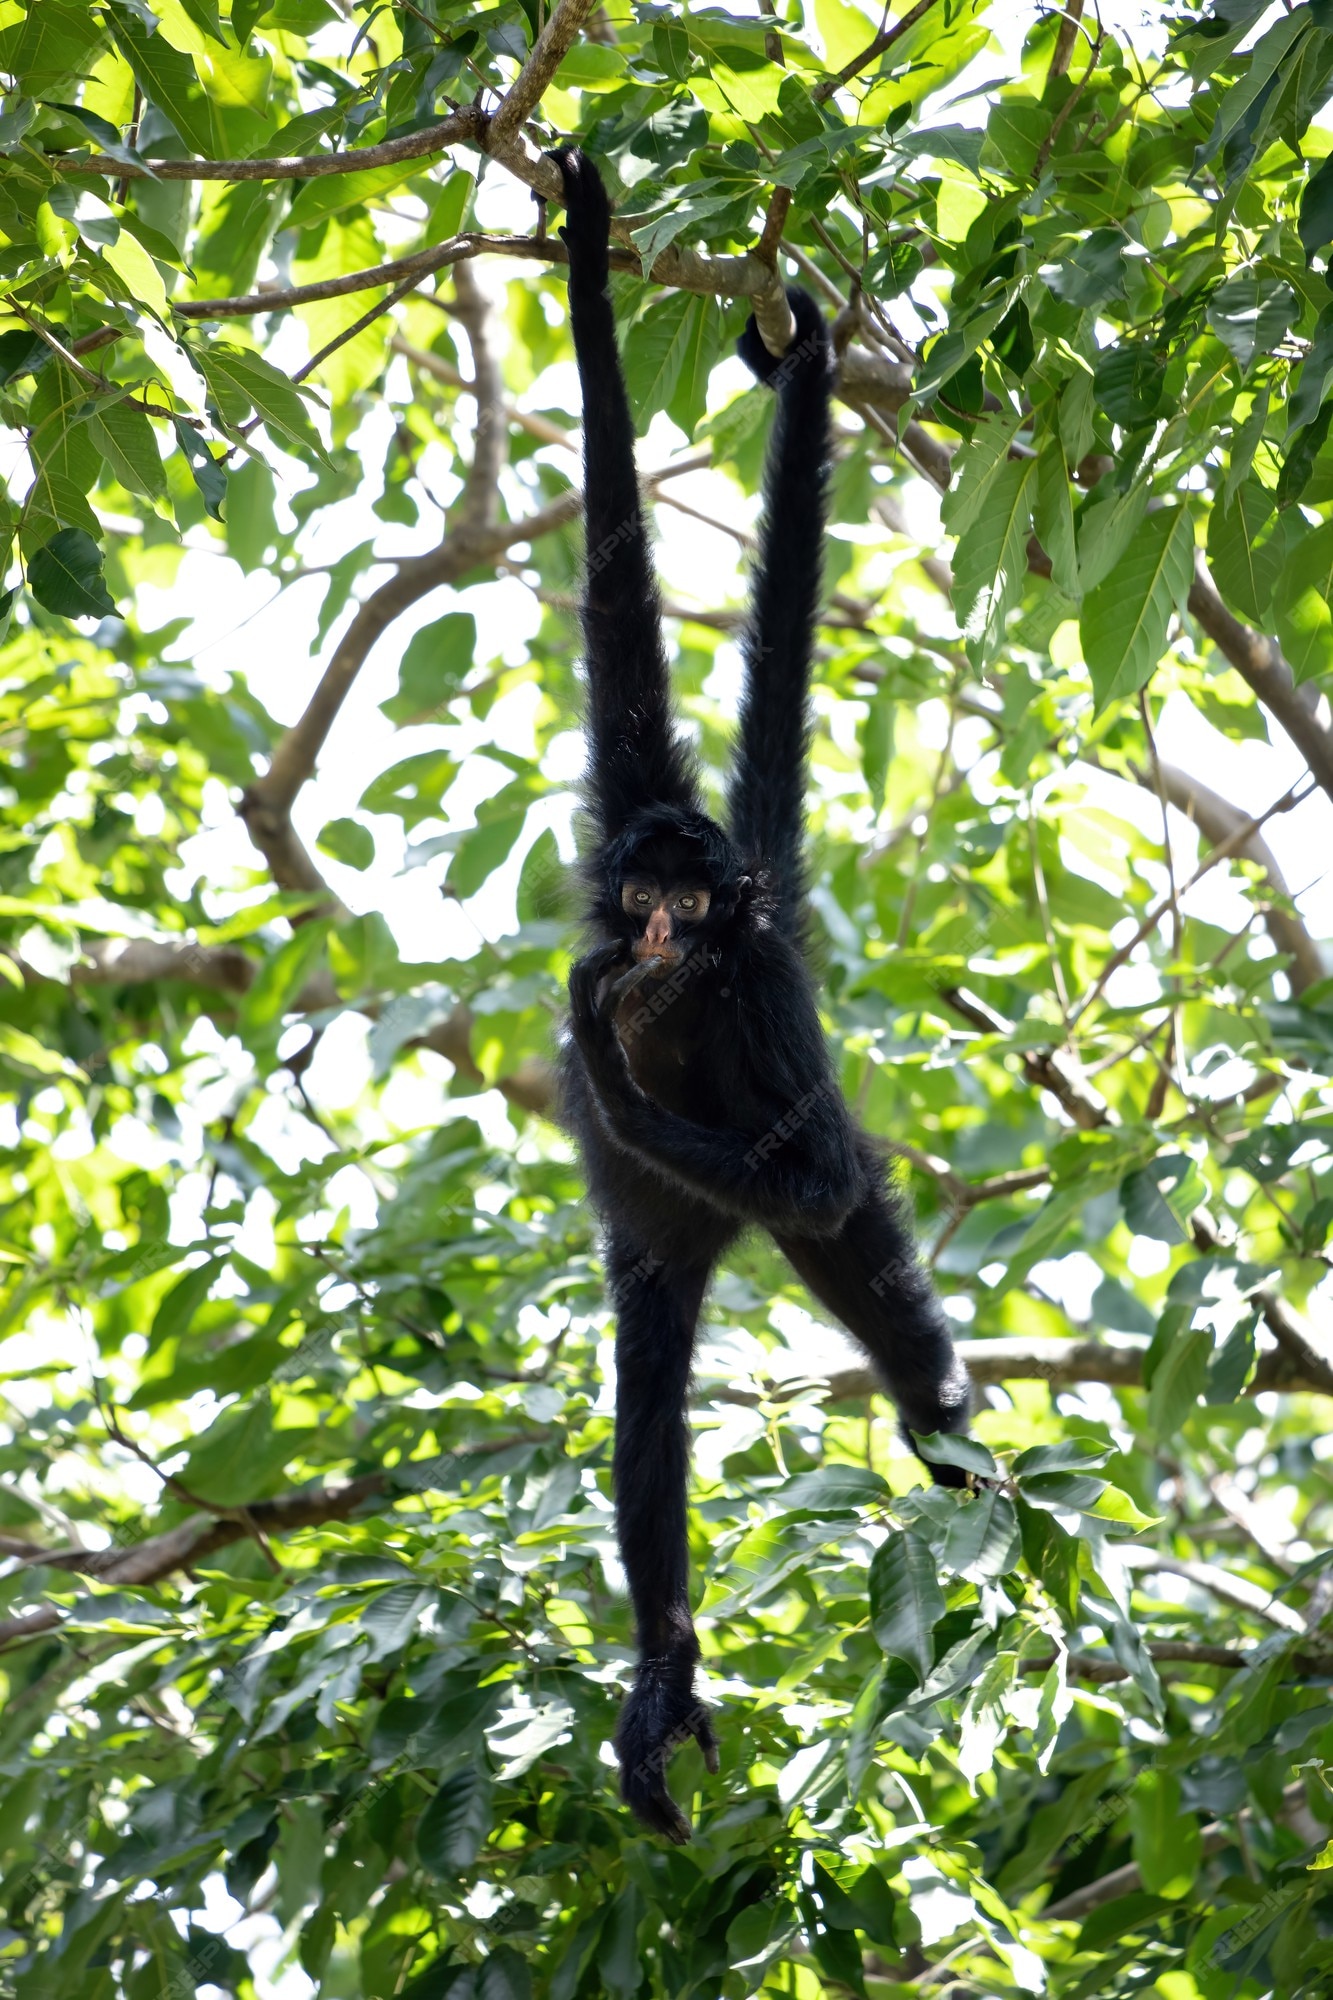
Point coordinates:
[[641, 897], [689, 902]]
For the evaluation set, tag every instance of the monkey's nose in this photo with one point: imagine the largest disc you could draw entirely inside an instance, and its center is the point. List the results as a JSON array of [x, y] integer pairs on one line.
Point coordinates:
[[657, 941]]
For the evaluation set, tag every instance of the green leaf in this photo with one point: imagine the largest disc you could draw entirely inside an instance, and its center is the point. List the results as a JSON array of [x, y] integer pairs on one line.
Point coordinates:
[[1302, 601], [655, 235], [1080, 1454], [167, 78], [1168, 1846], [906, 1602], [671, 46], [702, 335], [1093, 272], [875, 734], [1179, 1379], [991, 561], [504, 1976], [334, 193], [1244, 444], [434, 666], [486, 846], [982, 1539], [1159, 1199], [138, 273], [1062, 1492], [1251, 312], [976, 468], [1054, 518], [282, 976], [1106, 527], [454, 1824], [655, 355], [206, 471], [54, 45], [1245, 572], [24, 1053], [242, 381], [618, 1953], [126, 441], [964, 1453], [179, 1306], [1315, 227], [66, 576], [251, 525], [1129, 381], [1307, 401], [347, 841], [413, 788], [1124, 620]]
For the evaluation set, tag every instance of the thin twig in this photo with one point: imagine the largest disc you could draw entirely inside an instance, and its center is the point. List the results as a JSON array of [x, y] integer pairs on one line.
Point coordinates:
[[1293, 797], [461, 125], [880, 46]]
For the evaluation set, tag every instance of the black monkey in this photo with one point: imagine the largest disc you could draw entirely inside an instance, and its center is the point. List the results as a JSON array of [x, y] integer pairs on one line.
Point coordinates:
[[695, 1074]]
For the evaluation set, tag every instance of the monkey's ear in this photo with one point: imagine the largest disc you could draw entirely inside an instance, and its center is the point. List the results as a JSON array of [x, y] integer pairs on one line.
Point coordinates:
[[809, 346]]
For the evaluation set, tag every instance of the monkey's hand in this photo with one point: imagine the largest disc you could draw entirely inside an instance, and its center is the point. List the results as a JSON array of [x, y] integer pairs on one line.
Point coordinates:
[[587, 227], [591, 1018], [661, 1712], [809, 346]]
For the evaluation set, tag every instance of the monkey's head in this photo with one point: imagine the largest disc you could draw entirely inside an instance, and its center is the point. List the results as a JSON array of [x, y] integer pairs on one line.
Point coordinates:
[[671, 886]]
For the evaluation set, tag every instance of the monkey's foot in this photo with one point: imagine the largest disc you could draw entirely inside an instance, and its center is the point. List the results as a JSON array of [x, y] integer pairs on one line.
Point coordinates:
[[661, 1712], [587, 226]]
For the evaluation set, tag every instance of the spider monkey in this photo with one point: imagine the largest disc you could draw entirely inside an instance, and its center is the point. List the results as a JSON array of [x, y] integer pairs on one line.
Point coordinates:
[[695, 1073]]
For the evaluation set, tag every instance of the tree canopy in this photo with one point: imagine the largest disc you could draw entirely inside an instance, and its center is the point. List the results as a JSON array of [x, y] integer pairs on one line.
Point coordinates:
[[312, 1630]]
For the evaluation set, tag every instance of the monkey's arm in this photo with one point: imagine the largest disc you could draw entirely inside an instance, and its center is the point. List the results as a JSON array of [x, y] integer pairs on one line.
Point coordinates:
[[801, 1172], [635, 757], [767, 793]]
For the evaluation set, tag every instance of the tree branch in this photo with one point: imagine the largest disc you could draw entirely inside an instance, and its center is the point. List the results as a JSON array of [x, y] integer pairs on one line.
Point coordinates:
[[459, 126], [528, 88], [1065, 38], [1237, 839], [444, 371], [189, 1543], [881, 44], [1122, 1881], [1221, 1584], [1062, 1363], [182, 1547], [266, 806], [1218, 821], [1101, 1668], [1302, 711], [490, 436]]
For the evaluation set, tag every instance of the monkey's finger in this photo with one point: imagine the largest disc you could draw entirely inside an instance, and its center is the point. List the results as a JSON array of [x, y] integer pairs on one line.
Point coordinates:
[[706, 1738]]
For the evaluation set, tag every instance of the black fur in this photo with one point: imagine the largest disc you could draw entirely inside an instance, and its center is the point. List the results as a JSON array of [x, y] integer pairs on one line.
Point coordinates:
[[701, 1090]]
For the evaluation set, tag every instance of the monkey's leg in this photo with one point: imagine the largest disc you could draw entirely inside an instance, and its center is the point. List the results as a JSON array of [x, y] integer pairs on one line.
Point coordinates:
[[657, 1306], [869, 1276]]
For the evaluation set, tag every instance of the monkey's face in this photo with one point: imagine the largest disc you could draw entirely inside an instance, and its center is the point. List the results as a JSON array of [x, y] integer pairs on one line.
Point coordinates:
[[664, 915]]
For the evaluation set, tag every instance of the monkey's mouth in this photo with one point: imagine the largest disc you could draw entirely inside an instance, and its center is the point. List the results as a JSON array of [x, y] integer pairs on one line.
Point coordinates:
[[656, 958]]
